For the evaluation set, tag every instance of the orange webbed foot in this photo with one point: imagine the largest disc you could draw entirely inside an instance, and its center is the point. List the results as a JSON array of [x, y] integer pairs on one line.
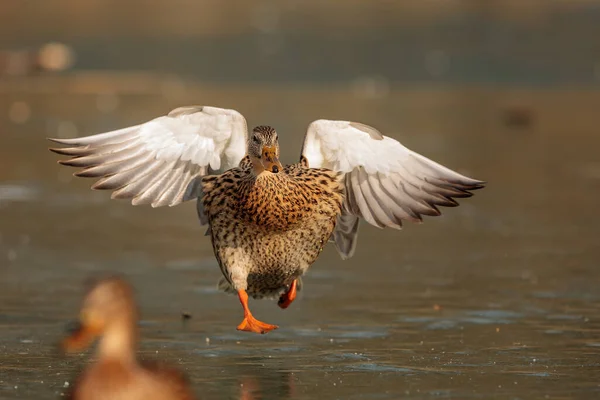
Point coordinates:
[[288, 297], [251, 324]]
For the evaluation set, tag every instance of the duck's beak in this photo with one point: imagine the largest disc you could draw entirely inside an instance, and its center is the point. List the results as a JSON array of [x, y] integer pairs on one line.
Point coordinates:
[[269, 159], [80, 334]]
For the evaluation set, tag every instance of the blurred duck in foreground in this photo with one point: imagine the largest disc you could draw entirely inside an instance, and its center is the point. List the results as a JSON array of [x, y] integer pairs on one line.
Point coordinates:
[[268, 223], [109, 312]]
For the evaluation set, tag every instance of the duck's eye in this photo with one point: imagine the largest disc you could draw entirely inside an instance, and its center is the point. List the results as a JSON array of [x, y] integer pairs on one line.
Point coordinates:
[[255, 139]]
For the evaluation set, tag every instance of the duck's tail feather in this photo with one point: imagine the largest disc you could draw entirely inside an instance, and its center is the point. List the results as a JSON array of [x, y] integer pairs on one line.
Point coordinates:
[[224, 286]]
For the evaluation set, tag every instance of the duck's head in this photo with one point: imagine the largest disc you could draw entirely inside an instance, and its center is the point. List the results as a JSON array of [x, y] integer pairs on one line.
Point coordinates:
[[108, 305], [263, 149]]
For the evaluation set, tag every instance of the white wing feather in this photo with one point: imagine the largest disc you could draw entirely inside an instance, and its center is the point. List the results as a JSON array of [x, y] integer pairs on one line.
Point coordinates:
[[161, 162], [385, 182]]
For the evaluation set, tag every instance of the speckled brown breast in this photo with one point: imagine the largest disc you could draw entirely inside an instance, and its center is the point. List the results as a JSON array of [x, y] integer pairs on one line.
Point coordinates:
[[273, 225]]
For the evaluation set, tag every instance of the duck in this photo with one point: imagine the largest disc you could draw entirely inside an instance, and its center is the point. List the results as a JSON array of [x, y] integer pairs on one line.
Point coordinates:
[[109, 312], [267, 222]]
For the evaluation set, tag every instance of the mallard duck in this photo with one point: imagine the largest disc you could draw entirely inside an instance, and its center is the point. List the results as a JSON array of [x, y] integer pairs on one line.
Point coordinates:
[[109, 312], [268, 223]]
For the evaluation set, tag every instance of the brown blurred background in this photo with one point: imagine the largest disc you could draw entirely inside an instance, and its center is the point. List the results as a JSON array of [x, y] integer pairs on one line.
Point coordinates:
[[535, 42], [464, 50]]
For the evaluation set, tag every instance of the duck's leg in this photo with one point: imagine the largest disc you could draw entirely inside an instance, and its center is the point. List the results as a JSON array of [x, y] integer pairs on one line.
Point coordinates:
[[288, 297], [251, 324]]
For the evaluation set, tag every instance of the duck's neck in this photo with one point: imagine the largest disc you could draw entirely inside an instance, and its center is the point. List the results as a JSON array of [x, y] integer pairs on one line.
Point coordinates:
[[119, 341]]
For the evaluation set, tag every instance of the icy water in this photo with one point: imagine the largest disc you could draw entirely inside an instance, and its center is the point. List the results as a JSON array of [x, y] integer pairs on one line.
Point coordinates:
[[498, 298]]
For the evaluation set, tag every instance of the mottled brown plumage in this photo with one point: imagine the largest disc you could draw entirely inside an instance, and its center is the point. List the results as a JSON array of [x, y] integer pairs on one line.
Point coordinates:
[[267, 229], [109, 311]]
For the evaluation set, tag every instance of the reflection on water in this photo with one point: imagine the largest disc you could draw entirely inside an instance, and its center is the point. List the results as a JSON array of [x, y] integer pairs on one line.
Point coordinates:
[[497, 298]]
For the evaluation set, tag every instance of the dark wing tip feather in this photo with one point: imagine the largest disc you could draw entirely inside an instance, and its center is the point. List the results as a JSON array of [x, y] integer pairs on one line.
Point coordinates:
[[75, 162], [440, 200], [66, 142], [58, 150], [68, 163], [55, 140], [449, 200], [471, 185], [478, 185], [435, 212], [85, 173], [105, 184]]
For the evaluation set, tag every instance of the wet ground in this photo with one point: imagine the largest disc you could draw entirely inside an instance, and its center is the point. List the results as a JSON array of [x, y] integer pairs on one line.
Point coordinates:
[[498, 298]]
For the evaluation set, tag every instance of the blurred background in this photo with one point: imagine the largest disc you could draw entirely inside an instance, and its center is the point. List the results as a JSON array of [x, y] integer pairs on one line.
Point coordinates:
[[496, 298]]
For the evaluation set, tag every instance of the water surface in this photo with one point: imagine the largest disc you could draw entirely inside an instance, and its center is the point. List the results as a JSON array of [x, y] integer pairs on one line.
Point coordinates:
[[498, 298]]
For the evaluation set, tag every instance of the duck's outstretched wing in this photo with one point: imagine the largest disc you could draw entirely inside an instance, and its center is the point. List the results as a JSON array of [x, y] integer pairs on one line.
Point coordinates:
[[385, 182], [160, 162]]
